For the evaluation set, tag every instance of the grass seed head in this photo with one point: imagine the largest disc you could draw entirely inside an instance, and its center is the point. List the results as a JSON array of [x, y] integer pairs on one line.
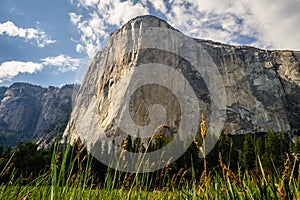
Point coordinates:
[[286, 171], [203, 127]]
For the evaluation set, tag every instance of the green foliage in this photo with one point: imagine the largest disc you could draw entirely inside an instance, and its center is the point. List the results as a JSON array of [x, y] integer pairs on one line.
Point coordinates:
[[259, 147], [129, 143], [137, 145], [69, 172], [276, 145], [249, 152], [297, 146], [28, 159], [12, 139]]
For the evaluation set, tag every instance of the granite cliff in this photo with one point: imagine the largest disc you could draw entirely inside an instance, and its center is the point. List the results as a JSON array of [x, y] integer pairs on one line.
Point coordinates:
[[262, 86], [32, 112]]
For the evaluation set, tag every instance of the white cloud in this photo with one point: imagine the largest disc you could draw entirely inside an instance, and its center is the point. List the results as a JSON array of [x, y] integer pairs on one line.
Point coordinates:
[[79, 48], [91, 31], [11, 69], [280, 21], [75, 18], [63, 62], [265, 24], [38, 37], [271, 23], [159, 5], [225, 21], [122, 12], [213, 5], [88, 3], [103, 15]]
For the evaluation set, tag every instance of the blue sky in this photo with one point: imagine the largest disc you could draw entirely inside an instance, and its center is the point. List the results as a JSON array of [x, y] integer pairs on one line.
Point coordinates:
[[51, 42]]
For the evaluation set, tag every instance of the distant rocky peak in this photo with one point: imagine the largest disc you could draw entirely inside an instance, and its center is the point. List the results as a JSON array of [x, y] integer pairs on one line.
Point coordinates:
[[32, 112], [24, 89]]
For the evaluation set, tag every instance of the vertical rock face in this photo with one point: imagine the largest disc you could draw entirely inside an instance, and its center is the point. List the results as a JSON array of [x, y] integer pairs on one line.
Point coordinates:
[[32, 110], [262, 87], [20, 107], [56, 106]]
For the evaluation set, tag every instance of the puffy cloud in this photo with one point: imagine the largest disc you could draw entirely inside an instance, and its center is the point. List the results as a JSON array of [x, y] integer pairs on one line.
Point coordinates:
[[79, 48], [121, 12], [280, 21], [264, 24], [38, 37], [218, 6], [227, 22], [159, 5], [88, 3], [12, 68], [75, 18], [95, 28], [63, 62], [91, 32]]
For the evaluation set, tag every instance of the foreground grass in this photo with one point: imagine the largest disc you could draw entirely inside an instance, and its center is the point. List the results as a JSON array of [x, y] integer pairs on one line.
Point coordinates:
[[216, 191], [223, 186], [73, 179], [27, 192]]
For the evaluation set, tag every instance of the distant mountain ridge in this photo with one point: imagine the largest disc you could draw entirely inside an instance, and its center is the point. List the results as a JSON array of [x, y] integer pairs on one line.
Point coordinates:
[[31, 112]]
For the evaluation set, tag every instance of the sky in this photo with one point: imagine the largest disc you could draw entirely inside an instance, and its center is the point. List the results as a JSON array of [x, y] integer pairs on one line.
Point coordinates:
[[47, 43]]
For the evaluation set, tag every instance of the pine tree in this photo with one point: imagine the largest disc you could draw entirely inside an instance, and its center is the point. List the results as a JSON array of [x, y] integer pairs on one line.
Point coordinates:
[[272, 150], [259, 147], [249, 152], [224, 146], [129, 143], [137, 145], [297, 146]]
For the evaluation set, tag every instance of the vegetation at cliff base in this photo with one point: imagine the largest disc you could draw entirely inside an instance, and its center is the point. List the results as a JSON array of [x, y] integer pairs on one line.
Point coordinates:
[[251, 166]]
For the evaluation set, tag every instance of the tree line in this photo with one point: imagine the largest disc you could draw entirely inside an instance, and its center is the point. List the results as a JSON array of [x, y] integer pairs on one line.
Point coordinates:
[[241, 153]]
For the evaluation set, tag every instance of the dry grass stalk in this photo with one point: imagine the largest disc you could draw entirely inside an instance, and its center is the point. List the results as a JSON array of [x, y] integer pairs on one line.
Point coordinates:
[[127, 180], [198, 146], [90, 175], [175, 177], [25, 179], [230, 174], [202, 178], [286, 172], [72, 179], [58, 156], [27, 196], [299, 172], [202, 150], [6, 171], [124, 145], [203, 127], [280, 192], [221, 165], [182, 177], [78, 150], [159, 136]]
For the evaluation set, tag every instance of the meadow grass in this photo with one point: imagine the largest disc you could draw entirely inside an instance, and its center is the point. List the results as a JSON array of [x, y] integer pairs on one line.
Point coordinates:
[[59, 183], [73, 179], [226, 185]]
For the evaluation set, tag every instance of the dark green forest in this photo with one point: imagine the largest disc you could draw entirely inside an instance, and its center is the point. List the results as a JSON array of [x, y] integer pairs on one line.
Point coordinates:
[[240, 153]]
